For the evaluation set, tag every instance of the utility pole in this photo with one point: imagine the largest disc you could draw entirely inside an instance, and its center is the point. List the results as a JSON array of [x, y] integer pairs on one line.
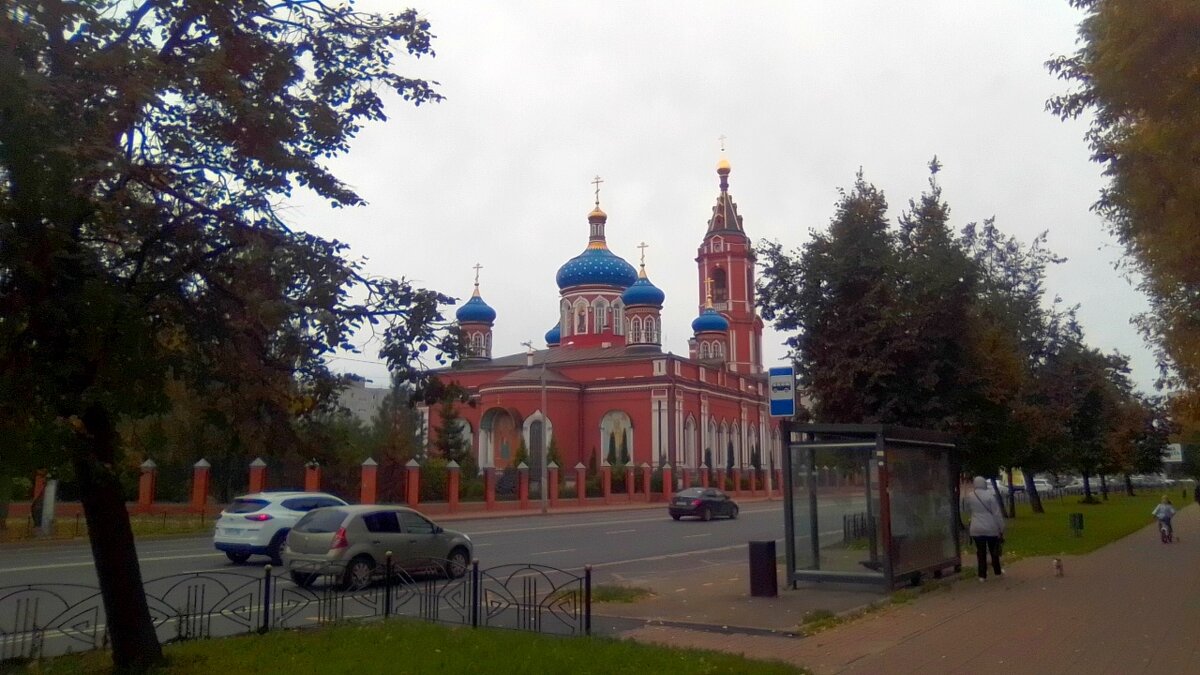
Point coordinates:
[[544, 470]]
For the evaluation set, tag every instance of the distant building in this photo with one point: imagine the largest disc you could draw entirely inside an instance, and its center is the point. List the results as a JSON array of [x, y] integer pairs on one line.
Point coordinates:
[[608, 385], [362, 401]]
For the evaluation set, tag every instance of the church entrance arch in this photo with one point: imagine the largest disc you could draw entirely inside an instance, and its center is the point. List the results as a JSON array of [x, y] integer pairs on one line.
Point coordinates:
[[499, 436], [538, 431], [616, 438]]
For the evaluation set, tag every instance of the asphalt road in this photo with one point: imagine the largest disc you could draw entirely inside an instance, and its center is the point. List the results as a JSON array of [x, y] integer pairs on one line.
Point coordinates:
[[618, 545]]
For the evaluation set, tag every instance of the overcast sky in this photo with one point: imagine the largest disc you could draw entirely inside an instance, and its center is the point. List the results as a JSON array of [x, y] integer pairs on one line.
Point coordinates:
[[540, 97]]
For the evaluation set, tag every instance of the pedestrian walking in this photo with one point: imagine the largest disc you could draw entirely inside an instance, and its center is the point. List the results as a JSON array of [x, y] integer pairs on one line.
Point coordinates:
[[987, 525]]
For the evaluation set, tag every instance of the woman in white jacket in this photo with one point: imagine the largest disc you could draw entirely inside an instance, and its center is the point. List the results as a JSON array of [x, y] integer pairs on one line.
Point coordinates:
[[987, 525]]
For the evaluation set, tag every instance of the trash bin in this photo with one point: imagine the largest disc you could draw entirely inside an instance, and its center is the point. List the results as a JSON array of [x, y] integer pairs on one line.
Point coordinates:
[[763, 580], [1077, 524]]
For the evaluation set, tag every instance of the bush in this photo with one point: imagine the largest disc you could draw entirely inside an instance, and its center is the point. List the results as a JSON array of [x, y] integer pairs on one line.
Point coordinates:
[[472, 489], [656, 482], [618, 479], [593, 487], [434, 480]]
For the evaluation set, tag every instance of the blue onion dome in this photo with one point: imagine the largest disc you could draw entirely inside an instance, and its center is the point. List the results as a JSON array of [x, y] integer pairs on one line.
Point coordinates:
[[642, 292], [475, 311], [554, 336], [710, 320], [596, 266]]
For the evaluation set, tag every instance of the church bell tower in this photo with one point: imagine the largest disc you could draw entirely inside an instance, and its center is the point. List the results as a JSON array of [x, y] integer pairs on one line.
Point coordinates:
[[726, 256]]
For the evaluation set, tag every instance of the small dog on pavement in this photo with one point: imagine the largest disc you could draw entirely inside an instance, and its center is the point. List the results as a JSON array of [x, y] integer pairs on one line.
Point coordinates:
[[1058, 567]]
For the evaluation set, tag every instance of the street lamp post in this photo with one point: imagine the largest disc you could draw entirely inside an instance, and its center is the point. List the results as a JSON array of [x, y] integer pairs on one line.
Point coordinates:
[[543, 476]]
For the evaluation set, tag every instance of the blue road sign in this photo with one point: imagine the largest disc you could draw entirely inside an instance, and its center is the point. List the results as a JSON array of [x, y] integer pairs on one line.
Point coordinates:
[[782, 383]]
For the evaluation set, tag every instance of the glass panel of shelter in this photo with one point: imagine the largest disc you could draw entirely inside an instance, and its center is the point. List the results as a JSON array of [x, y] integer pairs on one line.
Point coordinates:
[[835, 513]]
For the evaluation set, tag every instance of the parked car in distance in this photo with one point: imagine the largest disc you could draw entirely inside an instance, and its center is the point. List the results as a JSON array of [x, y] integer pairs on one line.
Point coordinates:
[[1043, 486], [702, 503], [353, 542], [258, 524]]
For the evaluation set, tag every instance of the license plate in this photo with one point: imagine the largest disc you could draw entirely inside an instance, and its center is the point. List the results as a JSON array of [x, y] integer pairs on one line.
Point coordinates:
[[231, 530], [682, 501]]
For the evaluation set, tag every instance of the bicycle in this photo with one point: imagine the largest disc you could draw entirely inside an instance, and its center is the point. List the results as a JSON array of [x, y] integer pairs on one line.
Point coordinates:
[[1164, 531]]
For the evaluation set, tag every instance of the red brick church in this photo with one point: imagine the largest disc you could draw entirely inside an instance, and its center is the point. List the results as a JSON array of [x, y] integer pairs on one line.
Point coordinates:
[[608, 386]]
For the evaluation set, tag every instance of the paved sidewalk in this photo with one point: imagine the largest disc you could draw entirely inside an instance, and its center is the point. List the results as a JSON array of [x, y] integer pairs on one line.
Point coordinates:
[[1131, 607]]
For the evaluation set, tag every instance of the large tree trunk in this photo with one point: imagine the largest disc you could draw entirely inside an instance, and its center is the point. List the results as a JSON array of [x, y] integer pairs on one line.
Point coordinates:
[[1104, 486], [1035, 499], [131, 632], [1128, 485], [1012, 497], [1087, 489]]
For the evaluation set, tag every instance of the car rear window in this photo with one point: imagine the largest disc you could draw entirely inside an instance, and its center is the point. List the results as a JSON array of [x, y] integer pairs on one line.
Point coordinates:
[[691, 492], [320, 521], [246, 505], [300, 504]]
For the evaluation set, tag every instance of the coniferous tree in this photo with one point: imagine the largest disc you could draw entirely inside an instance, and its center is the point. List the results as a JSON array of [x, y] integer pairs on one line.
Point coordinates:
[[838, 297]]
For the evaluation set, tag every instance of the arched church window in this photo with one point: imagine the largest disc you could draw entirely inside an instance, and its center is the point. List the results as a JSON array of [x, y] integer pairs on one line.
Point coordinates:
[[635, 329], [618, 309], [477, 344], [616, 438], [487, 344], [718, 349], [565, 324], [581, 309], [599, 315], [651, 330], [704, 350], [720, 285]]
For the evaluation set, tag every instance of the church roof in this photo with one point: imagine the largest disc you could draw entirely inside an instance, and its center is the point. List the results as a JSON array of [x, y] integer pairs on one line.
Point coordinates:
[[560, 357], [535, 375]]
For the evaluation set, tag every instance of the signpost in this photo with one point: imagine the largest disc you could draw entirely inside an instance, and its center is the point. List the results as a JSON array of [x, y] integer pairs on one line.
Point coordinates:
[[782, 382]]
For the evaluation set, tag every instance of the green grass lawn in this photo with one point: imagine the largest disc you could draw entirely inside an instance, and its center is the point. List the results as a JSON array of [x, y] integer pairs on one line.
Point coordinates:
[[1049, 533], [408, 647]]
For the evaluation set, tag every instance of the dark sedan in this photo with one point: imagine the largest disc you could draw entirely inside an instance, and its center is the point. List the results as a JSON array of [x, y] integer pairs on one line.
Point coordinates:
[[703, 503]]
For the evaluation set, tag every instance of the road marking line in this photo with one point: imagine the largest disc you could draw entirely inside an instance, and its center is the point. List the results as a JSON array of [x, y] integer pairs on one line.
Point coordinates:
[[561, 550], [572, 526], [93, 564], [693, 536], [619, 531]]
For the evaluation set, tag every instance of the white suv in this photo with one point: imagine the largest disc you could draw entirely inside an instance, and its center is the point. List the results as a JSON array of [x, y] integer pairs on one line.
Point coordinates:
[[258, 524]]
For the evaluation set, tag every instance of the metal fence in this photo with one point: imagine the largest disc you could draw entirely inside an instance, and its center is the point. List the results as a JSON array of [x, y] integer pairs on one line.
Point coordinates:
[[40, 620]]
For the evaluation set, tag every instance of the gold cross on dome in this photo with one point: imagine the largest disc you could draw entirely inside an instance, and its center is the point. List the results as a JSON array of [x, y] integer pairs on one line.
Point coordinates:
[[597, 181], [477, 268], [722, 139], [708, 291], [643, 246]]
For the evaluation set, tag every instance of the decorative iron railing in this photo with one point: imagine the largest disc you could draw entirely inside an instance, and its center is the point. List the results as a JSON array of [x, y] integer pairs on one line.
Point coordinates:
[[39, 620]]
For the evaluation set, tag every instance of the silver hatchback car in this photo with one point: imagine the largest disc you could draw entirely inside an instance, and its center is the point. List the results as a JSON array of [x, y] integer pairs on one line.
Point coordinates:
[[352, 543]]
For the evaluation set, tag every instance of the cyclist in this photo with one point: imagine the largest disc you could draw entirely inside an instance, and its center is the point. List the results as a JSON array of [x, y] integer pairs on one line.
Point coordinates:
[[1163, 513]]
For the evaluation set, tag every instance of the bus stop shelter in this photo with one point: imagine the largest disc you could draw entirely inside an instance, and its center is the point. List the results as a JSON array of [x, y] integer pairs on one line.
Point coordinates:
[[870, 504]]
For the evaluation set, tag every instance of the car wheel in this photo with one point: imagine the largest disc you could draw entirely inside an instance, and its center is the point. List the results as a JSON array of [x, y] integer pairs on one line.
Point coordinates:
[[358, 573], [733, 512], [237, 557], [706, 514], [275, 550], [675, 516], [303, 579], [456, 563]]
